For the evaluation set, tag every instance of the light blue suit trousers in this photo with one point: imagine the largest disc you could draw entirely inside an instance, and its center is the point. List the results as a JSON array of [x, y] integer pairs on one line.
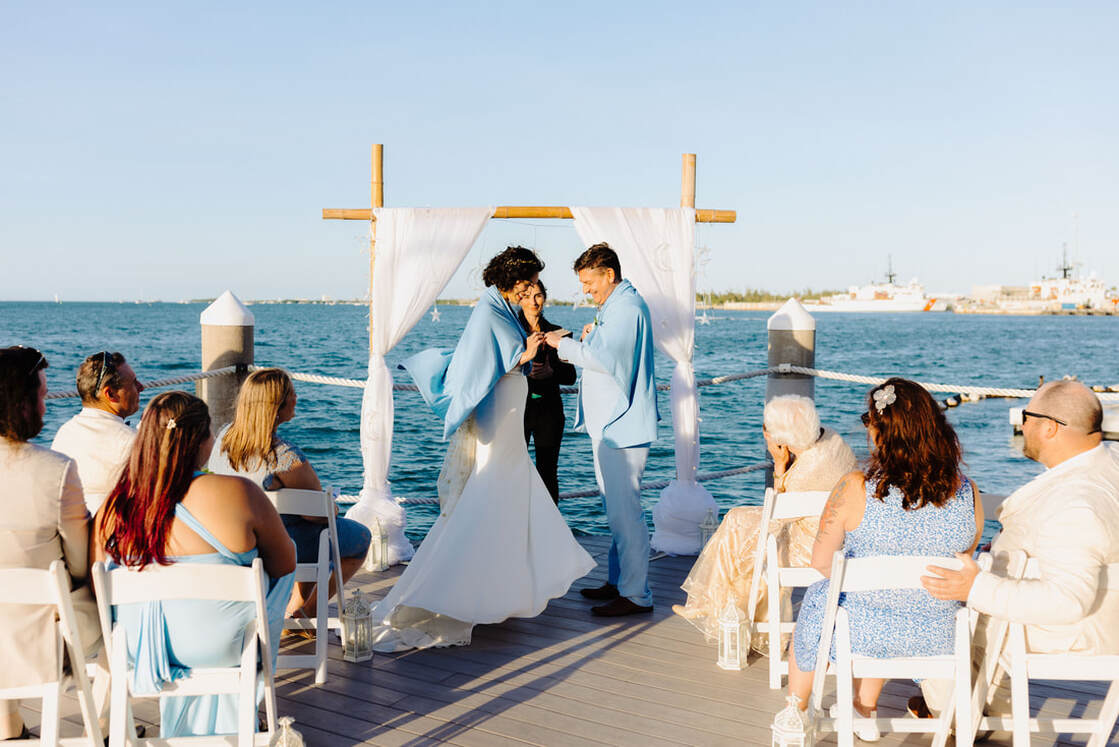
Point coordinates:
[[618, 472]]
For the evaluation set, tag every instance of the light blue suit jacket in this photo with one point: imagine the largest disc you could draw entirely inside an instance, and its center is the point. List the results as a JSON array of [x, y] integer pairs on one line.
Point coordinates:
[[622, 342]]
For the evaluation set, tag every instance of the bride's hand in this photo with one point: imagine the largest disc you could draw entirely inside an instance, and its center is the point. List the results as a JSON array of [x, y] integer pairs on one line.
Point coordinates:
[[532, 345]]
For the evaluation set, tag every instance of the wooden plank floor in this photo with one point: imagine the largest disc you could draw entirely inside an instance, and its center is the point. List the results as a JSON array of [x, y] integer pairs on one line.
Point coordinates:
[[566, 678]]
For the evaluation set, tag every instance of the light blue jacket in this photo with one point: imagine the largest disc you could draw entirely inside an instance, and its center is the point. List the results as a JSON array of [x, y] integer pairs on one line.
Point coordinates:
[[622, 342], [454, 383]]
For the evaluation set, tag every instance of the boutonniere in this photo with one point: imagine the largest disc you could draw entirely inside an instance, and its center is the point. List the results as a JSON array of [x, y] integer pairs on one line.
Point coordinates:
[[597, 322]]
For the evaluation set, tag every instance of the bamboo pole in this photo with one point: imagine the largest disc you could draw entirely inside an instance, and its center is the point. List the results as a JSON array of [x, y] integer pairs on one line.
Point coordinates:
[[687, 182], [377, 199], [703, 215]]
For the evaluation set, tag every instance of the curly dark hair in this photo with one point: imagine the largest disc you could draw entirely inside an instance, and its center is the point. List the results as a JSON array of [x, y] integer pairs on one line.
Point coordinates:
[[19, 390], [916, 449], [511, 266]]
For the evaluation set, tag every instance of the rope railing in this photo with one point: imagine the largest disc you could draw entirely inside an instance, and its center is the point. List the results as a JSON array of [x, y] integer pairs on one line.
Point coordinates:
[[973, 391], [588, 492], [171, 381]]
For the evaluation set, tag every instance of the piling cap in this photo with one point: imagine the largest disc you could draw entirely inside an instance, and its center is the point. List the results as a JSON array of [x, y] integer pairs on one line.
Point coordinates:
[[227, 311], [791, 316]]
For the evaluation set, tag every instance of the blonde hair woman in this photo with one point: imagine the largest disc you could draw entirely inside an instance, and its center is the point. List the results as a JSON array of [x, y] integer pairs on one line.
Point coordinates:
[[251, 447], [805, 456]]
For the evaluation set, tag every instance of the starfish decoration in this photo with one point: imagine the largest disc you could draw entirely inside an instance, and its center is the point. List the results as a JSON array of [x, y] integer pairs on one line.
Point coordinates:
[[434, 313]]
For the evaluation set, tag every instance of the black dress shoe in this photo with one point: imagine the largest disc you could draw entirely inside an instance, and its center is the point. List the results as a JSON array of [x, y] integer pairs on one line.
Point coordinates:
[[619, 607], [602, 593], [24, 733]]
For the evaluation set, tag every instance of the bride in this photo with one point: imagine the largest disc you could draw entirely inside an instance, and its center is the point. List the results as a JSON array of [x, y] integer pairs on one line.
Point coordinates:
[[500, 547]]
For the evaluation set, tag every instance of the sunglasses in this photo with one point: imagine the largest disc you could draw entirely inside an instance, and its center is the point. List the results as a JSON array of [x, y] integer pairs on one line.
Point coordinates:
[[106, 358], [1028, 414], [38, 361]]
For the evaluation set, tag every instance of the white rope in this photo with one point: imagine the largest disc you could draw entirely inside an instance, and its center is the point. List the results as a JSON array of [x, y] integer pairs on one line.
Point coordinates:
[[589, 492], [988, 391], [163, 382]]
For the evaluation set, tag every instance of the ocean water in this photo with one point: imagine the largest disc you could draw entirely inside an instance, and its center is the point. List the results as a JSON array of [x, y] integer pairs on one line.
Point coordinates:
[[163, 340]]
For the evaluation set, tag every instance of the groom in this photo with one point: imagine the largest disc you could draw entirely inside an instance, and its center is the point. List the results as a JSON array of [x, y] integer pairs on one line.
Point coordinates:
[[618, 409]]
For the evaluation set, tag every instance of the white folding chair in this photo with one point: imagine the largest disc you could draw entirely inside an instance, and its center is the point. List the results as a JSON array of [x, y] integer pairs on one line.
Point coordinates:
[[318, 504], [1009, 638], [52, 587], [871, 574], [779, 506], [189, 581]]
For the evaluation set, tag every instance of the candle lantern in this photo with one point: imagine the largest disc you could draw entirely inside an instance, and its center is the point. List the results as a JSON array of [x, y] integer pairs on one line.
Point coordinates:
[[378, 558], [731, 650], [286, 736], [791, 726], [357, 628], [707, 527]]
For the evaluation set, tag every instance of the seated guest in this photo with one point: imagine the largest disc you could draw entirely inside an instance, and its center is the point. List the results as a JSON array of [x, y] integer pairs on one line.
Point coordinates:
[[250, 447], [805, 457], [97, 438], [544, 417], [43, 519], [1066, 519], [165, 511], [912, 499]]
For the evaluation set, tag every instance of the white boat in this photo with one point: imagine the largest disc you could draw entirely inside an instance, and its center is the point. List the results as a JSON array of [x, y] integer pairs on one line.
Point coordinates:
[[1066, 291], [880, 297]]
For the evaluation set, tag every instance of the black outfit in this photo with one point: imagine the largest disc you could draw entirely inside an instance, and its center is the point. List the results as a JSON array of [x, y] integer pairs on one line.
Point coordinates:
[[544, 418]]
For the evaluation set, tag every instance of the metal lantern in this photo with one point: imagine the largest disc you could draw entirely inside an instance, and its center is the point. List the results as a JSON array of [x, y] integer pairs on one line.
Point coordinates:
[[791, 726], [357, 628], [732, 652], [707, 528], [286, 736], [378, 558]]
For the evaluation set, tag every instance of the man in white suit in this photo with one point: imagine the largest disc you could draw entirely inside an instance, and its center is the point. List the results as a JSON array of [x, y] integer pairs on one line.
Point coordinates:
[[1067, 519]]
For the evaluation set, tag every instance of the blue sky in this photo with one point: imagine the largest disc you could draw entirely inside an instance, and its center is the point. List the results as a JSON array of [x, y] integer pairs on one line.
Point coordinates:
[[171, 152]]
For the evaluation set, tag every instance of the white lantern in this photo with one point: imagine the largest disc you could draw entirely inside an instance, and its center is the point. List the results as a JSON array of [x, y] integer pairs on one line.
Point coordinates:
[[707, 528], [792, 727], [731, 650], [286, 736], [378, 558], [357, 628]]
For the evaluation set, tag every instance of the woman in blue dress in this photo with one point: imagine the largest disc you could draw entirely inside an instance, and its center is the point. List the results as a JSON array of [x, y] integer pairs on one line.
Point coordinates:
[[165, 511], [912, 499]]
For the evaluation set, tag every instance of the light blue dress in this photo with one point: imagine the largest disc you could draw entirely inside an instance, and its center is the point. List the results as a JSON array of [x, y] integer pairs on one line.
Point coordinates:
[[893, 622], [166, 639]]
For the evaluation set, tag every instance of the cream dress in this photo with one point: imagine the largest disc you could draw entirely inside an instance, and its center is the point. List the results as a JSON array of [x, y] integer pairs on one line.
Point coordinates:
[[726, 565]]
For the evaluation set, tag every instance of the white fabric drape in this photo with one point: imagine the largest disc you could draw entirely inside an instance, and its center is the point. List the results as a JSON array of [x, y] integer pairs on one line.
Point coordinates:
[[417, 252], [656, 247]]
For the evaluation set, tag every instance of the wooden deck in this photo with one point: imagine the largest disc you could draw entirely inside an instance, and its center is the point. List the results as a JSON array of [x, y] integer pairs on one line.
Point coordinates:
[[566, 678]]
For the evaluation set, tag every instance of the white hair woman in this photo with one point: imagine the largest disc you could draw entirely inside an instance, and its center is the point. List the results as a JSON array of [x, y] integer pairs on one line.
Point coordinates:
[[805, 456]]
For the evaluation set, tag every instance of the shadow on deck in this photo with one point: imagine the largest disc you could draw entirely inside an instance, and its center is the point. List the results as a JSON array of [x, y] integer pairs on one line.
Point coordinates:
[[566, 678]]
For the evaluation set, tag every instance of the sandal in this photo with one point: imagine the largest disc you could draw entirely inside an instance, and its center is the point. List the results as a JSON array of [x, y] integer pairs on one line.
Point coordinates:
[[307, 634]]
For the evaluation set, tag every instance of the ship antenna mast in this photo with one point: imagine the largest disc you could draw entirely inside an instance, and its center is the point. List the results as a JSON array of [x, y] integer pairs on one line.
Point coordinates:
[[1065, 268], [890, 274]]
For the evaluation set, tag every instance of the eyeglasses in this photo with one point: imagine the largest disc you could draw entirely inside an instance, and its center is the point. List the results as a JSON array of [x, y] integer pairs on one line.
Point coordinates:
[[865, 417], [1028, 414], [106, 357], [38, 361]]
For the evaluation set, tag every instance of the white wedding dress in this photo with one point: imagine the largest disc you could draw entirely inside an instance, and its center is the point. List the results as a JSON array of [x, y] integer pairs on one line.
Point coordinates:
[[500, 550]]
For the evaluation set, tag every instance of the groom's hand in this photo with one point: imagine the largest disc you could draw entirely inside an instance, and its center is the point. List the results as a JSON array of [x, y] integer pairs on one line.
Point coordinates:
[[586, 330], [553, 338]]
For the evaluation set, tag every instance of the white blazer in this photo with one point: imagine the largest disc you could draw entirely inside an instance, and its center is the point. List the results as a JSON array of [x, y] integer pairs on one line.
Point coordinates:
[[1066, 518]]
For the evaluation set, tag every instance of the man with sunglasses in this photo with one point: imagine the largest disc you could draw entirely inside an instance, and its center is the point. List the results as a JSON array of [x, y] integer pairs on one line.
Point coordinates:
[[1067, 519], [98, 439]]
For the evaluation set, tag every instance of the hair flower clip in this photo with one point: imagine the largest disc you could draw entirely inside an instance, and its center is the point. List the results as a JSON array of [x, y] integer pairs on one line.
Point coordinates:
[[884, 397], [171, 424]]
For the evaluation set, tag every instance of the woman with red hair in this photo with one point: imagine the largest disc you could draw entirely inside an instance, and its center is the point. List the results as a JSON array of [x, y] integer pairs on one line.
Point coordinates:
[[912, 499], [164, 510]]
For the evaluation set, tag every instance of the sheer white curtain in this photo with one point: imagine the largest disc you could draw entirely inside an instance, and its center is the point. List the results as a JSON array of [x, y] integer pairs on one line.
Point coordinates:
[[418, 250], [656, 247]]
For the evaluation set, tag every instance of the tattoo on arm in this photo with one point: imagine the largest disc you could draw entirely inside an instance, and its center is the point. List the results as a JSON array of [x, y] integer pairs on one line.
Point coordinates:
[[830, 519]]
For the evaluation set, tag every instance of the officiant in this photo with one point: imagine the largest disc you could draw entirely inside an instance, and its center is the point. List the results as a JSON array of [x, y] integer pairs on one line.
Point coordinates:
[[544, 417]]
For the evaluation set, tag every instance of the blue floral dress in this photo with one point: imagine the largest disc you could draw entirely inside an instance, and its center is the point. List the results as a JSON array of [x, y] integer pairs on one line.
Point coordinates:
[[893, 622]]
